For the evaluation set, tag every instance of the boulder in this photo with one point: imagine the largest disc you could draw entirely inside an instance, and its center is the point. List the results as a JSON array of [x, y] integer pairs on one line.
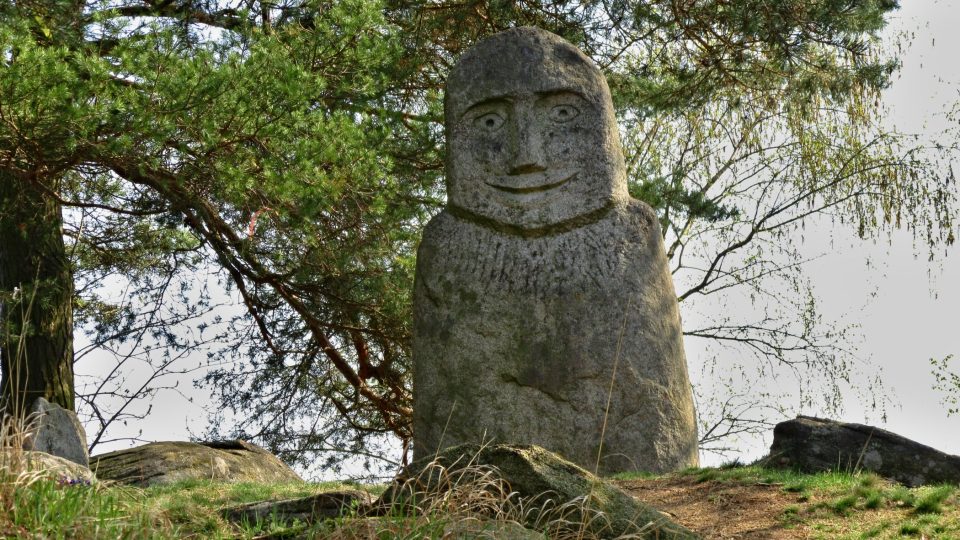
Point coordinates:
[[548, 489], [815, 444], [172, 461], [398, 527], [490, 530], [56, 431], [14, 462], [306, 510]]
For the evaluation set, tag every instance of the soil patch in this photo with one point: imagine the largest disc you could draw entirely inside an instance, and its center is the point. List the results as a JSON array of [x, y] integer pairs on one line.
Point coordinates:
[[720, 509]]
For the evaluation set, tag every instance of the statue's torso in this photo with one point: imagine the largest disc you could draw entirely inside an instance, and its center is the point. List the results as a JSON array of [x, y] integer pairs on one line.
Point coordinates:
[[516, 337]]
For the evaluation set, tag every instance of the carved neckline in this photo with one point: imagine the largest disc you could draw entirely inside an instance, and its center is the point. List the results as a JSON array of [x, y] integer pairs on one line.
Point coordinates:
[[546, 230]]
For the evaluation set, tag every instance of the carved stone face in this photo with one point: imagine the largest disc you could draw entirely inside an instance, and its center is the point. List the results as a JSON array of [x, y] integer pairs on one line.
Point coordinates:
[[532, 140]]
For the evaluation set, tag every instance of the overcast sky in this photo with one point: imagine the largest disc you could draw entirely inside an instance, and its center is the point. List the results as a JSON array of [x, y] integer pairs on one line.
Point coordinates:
[[907, 307], [916, 313]]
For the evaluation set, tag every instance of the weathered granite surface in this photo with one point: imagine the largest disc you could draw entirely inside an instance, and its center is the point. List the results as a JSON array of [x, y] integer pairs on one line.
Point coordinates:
[[815, 444], [311, 509], [539, 479], [168, 462], [14, 462], [56, 431], [542, 281], [474, 529]]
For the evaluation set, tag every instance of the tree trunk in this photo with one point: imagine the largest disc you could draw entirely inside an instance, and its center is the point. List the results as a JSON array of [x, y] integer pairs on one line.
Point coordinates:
[[36, 297]]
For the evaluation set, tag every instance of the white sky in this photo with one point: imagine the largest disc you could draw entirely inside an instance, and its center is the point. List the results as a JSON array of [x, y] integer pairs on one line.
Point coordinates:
[[913, 315], [915, 319], [907, 307]]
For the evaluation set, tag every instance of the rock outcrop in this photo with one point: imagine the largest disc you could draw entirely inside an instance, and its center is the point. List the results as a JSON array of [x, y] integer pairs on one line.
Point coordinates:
[[468, 529], [308, 510], [14, 462], [545, 485], [56, 431], [172, 461], [813, 444]]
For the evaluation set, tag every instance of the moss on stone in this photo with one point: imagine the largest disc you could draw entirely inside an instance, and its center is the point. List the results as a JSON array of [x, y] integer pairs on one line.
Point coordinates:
[[544, 478]]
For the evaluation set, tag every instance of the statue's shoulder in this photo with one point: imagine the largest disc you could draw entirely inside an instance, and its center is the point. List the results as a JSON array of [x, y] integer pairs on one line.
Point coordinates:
[[642, 214], [439, 226]]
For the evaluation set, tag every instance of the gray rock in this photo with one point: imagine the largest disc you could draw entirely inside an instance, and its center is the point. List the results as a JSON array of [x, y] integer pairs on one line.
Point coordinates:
[[56, 431], [305, 510], [542, 281], [13, 462], [407, 527], [490, 530], [172, 461], [541, 480], [814, 444]]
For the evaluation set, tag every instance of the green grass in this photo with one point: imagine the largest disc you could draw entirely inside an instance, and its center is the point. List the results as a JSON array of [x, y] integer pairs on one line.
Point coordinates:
[[844, 505], [931, 502], [46, 509], [829, 505], [194, 505], [903, 496], [634, 475], [49, 510], [792, 481], [841, 495], [929, 527], [211, 494]]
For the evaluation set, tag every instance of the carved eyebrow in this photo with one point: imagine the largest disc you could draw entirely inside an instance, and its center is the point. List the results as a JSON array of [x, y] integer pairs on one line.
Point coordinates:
[[494, 100], [560, 92]]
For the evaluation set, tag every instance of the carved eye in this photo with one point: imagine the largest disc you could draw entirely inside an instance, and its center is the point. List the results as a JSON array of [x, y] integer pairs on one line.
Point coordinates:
[[490, 121], [563, 113]]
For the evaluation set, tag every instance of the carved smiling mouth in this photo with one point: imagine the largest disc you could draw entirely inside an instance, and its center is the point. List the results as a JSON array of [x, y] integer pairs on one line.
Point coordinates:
[[534, 182]]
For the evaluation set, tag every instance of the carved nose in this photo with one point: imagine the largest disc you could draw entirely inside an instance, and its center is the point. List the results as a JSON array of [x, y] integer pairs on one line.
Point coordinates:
[[529, 152]]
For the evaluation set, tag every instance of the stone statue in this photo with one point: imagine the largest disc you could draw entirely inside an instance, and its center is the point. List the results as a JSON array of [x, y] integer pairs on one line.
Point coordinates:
[[544, 309]]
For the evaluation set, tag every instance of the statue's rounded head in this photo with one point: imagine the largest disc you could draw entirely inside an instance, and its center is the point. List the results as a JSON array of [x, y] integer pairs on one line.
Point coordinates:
[[531, 137]]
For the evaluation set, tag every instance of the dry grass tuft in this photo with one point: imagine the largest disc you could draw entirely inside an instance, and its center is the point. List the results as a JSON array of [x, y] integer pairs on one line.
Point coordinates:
[[15, 467], [464, 499], [468, 499]]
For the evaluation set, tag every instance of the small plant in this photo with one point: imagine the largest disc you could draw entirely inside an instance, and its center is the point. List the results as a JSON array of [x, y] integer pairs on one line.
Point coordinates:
[[843, 505], [931, 502], [868, 490], [273, 526], [705, 475], [869, 480], [873, 500], [910, 529], [64, 480], [854, 491], [903, 496], [795, 487], [791, 515], [926, 526], [799, 486], [733, 464], [875, 531]]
